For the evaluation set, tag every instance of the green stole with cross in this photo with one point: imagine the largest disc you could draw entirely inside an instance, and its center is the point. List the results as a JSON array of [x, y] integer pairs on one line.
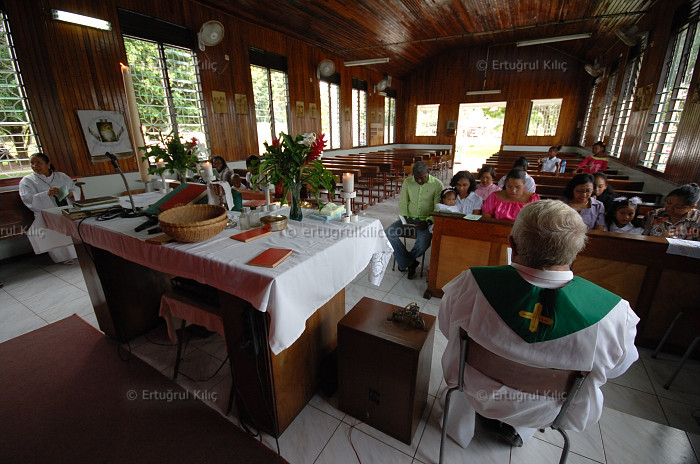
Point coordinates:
[[541, 314]]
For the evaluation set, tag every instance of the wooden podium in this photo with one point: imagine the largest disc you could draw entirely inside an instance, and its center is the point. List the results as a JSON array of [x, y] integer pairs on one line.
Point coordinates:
[[384, 368]]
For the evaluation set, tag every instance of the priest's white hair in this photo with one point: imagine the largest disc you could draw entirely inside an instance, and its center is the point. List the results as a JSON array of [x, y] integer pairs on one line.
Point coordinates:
[[548, 233]]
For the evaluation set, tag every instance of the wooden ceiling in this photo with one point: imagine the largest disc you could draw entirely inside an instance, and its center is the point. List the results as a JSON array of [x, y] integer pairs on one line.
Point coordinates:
[[411, 32]]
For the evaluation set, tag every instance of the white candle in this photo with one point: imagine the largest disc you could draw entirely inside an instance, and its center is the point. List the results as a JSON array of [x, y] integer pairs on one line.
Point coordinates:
[[267, 195], [134, 123], [348, 182], [160, 163], [208, 169]]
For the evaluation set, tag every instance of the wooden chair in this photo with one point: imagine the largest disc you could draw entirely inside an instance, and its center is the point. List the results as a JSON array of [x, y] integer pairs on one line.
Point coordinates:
[[532, 380], [409, 231]]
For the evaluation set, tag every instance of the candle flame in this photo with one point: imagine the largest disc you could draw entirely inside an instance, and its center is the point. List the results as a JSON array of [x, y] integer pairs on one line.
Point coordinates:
[[123, 65]]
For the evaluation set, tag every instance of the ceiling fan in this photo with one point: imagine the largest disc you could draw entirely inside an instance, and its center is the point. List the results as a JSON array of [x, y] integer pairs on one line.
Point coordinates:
[[628, 36], [210, 34], [595, 69], [325, 68], [383, 84]]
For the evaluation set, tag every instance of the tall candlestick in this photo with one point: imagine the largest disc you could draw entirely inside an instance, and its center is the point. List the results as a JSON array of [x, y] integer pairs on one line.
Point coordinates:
[[348, 182], [208, 169], [267, 195], [134, 123]]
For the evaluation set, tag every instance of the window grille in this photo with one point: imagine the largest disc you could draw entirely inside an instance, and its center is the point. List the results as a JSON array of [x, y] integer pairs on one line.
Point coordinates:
[[587, 117], [427, 119], [389, 119], [18, 136], [359, 118], [271, 94], [544, 117], [330, 112], [670, 98], [608, 102], [168, 90], [624, 107]]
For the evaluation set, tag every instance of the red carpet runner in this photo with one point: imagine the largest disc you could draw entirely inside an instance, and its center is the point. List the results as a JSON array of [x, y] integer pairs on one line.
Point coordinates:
[[66, 396]]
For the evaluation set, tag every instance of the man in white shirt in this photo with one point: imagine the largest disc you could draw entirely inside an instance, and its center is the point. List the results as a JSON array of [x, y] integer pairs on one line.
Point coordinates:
[[578, 326]]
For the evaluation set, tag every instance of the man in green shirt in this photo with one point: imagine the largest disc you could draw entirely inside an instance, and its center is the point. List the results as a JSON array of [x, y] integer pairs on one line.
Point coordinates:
[[419, 194]]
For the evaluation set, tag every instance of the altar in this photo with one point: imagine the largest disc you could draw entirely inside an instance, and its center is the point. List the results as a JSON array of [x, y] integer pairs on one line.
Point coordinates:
[[280, 323]]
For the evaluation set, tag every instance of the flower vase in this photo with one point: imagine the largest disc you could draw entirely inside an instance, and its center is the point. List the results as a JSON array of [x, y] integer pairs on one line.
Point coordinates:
[[181, 176], [295, 213]]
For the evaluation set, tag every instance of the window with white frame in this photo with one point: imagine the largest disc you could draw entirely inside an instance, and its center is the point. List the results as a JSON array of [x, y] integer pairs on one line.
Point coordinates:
[[608, 102], [427, 119], [587, 117], [18, 137], [330, 109], [624, 106], [544, 116], [389, 119], [168, 90], [359, 113], [670, 98]]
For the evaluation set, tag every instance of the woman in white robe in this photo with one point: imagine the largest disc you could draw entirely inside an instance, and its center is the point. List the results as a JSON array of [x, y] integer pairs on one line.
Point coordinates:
[[42, 190]]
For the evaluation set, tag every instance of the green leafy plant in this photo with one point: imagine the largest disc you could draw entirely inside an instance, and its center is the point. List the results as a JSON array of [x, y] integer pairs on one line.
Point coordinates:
[[177, 156], [294, 162]]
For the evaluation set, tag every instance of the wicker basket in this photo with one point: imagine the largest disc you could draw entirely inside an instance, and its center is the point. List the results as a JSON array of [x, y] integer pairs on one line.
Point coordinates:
[[193, 223]]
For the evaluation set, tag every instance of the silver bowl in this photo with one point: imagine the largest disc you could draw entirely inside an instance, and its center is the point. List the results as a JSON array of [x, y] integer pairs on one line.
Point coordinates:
[[274, 222]]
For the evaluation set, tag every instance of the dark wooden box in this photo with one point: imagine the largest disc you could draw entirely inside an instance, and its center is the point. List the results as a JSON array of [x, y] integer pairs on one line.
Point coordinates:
[[384, 368]]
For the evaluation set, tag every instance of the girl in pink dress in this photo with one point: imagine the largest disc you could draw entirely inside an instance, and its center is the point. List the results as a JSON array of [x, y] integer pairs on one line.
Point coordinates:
[[507, 203], [596, 163], [486, 185]]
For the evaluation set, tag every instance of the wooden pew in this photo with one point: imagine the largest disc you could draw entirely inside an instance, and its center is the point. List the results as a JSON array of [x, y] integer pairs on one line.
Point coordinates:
[[657, 284], [16, 217]]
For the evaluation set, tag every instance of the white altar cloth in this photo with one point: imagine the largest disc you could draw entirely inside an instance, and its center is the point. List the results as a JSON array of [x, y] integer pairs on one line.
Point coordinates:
[[326, 257]]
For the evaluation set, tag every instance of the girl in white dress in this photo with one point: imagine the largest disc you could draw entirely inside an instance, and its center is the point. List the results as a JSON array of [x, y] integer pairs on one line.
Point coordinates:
[[621, 216], [43, 189]]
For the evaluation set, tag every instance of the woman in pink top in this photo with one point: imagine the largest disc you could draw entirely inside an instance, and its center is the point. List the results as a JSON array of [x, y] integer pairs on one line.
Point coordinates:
[[507, 203], [486, 185]]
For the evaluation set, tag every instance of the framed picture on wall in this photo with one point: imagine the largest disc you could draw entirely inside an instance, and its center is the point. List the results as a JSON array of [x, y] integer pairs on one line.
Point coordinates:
[[104, 131]]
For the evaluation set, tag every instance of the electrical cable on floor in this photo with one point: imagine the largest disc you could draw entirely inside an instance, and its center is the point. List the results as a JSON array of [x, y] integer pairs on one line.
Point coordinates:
[[351, 443]]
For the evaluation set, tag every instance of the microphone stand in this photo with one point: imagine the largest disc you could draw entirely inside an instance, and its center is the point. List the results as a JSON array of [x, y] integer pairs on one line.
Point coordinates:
[[133, 212]]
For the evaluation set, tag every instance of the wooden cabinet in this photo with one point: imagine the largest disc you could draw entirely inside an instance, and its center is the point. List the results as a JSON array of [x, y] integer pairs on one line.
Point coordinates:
[[384, 368]]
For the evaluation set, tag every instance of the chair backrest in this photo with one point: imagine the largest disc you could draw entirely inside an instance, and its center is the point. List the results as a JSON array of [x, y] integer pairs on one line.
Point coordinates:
[[535, 380]]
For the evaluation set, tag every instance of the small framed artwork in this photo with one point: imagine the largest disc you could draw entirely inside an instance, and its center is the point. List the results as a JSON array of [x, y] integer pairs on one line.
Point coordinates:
[[451, 127], [300, 109], [104, 131], [312, 110], [241, 103], [219, 100]]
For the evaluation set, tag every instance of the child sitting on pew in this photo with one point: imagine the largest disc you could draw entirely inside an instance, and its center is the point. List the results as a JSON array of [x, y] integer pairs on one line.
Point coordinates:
[[448, 201], [621, 217]]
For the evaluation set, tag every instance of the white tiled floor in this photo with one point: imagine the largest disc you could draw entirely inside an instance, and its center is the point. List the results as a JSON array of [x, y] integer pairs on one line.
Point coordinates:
[[641, 422]]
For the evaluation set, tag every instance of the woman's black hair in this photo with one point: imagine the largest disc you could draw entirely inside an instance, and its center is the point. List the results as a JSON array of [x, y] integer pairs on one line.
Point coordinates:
[[578, 179], [217, 157], [608, 189], [487, 168], [46, 160], [621, 203], [555, 147], [690, 193], [521, 163], [515, 173], [464, 175], [446, 191]]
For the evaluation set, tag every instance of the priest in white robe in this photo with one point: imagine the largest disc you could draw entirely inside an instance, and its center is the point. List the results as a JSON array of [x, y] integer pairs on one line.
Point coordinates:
[[535, 312], [43, 189]]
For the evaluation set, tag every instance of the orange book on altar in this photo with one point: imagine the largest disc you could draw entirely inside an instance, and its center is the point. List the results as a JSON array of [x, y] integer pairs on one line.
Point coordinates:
[[250, 235], [270, 257]]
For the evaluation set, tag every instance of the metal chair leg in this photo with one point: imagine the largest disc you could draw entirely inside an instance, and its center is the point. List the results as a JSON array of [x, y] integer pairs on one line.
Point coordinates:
[[444, 422], [565, 451], [685, 357], [180, 337]]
